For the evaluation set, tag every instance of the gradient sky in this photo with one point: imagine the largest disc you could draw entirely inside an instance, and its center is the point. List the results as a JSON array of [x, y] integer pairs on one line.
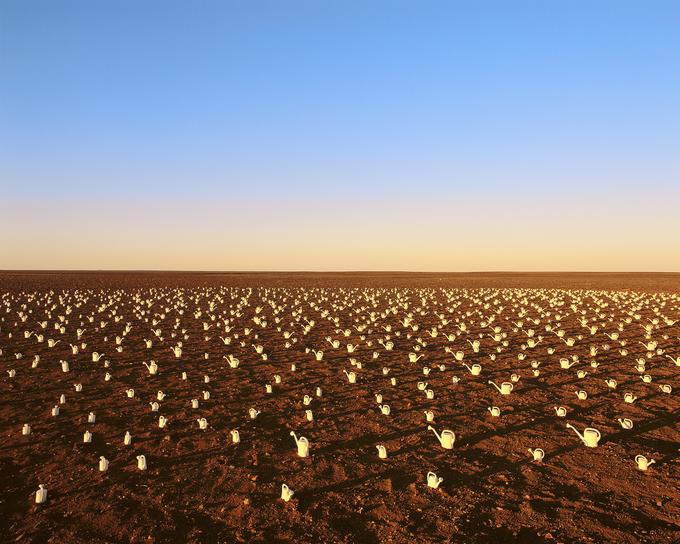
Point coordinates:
[[291, 135]]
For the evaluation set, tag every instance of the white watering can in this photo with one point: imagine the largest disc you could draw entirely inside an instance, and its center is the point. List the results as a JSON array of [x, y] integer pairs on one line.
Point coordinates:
[[378, 398], [141, 462], [429, 393], [532, 342], [319, 393], [41, 494], [107, 377], [646, 378], [152, 368], [495, 411], [580, 374], [666, 388], [309, 415], [629, 398], [194, 403], [130, 393], [429, 416], [505, 388], [302, 445], [277, 378], [393, 380], [65, 366], [306, 400], [538, 454], [351, 376], [268, 388], [253, 413], [626, 423], [78, 387], [382, 452], [561, 411], [643, 463], [459, 355], [590, 436], [235, 436], [160, 395], [103, 464], [433, 481], [202, 423], [293, 367], [414, 358], [206, 395], [177, 351], [127, 439], [26, 429], [475, 369], [514, 378], [87, 437], [426, 371], [446, 438], [162, 422], [184, 376], [455, 379], [96, 356], [318, 355], [286, 492], [565, 363], [611, 383], [385, 409], [422, 386], [582, 395], [385, 371], [91, 417]]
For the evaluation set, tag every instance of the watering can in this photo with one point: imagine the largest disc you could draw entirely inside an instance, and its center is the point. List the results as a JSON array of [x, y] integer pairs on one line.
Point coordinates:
[[590, 436]]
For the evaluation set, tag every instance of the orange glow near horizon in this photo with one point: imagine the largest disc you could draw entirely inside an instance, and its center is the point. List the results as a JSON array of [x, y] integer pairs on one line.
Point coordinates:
[[423, 235]]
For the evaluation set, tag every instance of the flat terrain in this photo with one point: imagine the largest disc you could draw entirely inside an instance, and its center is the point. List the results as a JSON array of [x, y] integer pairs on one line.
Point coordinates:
[[201, 487]]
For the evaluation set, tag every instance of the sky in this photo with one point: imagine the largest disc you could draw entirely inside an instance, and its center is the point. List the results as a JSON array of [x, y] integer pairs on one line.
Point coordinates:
[[340, 135]]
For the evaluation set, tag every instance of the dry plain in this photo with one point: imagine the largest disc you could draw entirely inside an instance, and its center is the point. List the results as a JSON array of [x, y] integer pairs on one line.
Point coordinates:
[[550, 336]]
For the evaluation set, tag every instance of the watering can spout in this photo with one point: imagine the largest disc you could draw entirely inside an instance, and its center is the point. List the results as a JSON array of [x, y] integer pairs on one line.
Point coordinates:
[[492, 383], [570, 426], [431, 428]]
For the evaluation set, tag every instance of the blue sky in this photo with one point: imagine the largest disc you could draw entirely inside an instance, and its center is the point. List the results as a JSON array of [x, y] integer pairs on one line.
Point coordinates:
[[338, 100]]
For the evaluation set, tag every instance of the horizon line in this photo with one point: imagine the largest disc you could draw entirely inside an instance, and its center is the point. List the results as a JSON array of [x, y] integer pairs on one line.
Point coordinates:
[[189, 271]]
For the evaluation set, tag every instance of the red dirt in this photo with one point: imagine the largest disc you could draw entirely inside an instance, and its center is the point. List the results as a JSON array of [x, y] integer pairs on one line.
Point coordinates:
[[200, 487]]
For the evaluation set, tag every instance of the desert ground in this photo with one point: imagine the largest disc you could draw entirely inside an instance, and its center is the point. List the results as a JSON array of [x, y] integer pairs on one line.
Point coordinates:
[[350, 362]]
